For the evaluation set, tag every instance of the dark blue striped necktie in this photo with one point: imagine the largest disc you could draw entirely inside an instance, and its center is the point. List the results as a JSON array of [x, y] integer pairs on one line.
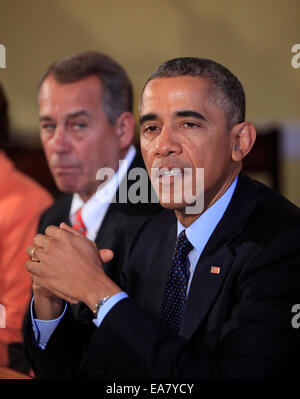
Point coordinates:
[[175, 292]]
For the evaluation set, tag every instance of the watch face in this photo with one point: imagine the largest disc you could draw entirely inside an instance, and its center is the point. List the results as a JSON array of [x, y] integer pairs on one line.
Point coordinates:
[[102, 301], [99, 304]]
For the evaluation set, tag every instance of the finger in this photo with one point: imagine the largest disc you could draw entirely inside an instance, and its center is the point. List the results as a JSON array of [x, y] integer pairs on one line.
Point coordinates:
[[33, 268], [29, 249], [53, 231], [30, 253], [39, 283], [106, 255], [42, 241], [66, 227]]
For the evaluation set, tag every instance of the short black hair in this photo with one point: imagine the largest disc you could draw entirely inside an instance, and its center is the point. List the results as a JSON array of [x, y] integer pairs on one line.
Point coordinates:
[[4, 121], [117, 87], [227, 90]]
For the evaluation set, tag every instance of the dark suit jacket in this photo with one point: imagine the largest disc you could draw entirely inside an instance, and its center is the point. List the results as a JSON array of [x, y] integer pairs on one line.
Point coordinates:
[[237, 324]]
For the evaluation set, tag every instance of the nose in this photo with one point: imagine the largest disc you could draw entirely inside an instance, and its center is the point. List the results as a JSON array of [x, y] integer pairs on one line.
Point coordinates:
[[167, 142], [60, 140]]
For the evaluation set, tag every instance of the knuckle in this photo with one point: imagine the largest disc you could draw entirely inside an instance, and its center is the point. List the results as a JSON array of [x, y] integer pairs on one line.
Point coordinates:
[[51, 230], [37, 238], [50, 246]]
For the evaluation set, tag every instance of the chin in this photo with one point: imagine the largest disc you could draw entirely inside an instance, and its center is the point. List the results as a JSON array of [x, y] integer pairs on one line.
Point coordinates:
[[172, 205], [66, 187]]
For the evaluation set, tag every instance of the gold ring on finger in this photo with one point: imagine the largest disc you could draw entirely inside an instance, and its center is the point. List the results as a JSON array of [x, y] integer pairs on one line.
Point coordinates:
[[33, 256]]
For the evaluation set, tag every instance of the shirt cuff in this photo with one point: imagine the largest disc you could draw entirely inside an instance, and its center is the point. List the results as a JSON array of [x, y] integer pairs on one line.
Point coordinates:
[[43, 329], [107, 306]]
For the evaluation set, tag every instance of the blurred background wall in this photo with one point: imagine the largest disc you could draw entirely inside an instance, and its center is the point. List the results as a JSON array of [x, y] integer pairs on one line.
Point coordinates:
[[253, 38]]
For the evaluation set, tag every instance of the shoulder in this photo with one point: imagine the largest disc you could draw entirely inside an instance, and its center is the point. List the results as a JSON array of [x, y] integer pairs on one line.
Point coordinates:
[[273, 215], [269, 237], [22, 196], [21, 183]]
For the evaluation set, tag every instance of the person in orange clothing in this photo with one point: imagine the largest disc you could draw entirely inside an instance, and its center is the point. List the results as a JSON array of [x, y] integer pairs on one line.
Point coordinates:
[[22, 201]]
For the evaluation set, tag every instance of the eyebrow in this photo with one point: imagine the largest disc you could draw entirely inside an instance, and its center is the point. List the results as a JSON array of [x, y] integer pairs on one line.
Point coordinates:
[[70, 116], [147, 117], [183, 113], [194, 114]]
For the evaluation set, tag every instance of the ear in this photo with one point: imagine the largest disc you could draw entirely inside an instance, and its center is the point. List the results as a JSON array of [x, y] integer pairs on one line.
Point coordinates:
[[243, 138], [125, 130]]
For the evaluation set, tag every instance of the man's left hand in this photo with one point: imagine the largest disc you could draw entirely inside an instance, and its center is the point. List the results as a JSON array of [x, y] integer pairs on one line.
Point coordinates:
[[70, 266]]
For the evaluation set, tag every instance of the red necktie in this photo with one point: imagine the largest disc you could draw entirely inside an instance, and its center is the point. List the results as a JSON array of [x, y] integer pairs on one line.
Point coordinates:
[[78, 223]]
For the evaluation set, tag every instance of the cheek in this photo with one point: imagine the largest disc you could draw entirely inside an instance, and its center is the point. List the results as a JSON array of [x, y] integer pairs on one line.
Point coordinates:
[[148, 151], [148, 160], [47, 149]]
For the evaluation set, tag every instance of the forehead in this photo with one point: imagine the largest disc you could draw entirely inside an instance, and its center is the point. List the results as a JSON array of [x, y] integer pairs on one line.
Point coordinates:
[[184, 92], [84, 93]]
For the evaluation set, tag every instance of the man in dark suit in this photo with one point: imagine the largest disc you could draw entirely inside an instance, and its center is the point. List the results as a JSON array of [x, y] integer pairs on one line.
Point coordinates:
[[86, 122], [214, 303]]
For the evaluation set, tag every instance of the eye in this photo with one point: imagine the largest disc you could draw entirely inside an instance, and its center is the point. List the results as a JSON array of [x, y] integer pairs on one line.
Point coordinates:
[[150, 129], [48, 127], [190, 125], [79, 126]]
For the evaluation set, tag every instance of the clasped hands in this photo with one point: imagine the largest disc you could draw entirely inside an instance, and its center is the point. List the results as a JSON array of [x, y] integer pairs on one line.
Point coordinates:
[[68, 266]]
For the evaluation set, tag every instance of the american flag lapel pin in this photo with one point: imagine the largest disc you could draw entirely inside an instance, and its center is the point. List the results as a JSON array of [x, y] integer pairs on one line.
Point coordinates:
[[215, 269]]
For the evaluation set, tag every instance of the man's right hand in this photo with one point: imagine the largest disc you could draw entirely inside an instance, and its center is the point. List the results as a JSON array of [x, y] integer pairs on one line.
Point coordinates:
[[47, 306]]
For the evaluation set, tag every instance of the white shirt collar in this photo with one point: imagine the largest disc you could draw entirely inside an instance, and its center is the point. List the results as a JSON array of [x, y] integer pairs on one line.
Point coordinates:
[[202, 228], [94, 210]]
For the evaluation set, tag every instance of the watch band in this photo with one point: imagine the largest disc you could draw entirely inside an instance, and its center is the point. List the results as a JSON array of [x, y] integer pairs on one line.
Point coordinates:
[[99, 304]]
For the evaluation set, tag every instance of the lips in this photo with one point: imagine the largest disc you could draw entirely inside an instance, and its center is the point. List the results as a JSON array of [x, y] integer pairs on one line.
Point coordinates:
[[65, 168], [173, 171]]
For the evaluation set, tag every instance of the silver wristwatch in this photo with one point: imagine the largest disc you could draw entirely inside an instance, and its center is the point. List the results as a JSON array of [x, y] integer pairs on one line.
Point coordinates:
[[99, 304]]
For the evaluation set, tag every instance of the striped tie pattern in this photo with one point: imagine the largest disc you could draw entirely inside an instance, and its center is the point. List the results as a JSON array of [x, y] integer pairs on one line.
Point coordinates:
[[175, 292], [78, 222]]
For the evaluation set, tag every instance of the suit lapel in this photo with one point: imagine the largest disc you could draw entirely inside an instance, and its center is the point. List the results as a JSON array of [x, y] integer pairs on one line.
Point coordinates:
[[109, 227], [160, 273], [205, 285], [62, 210], [156, 268], [204, 288]]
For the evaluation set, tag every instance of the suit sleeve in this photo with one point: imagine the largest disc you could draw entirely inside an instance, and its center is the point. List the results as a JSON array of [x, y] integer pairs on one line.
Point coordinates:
[[65, 353]]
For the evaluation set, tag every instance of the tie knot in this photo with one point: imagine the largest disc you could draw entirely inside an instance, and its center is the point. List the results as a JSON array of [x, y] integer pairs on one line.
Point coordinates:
[[78, 213], [183, 245], [78, 222]]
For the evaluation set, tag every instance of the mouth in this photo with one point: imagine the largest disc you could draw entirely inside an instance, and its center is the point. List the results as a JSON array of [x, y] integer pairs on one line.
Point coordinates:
[[61, 169], [169, 172]]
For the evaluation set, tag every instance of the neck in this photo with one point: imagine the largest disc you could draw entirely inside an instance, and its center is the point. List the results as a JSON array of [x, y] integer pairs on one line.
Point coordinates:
[[209, 198]]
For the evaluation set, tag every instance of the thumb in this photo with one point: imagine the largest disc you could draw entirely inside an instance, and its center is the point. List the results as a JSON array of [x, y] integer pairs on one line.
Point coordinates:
[[106, 255]]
